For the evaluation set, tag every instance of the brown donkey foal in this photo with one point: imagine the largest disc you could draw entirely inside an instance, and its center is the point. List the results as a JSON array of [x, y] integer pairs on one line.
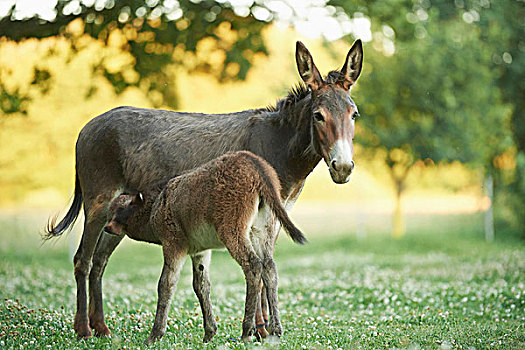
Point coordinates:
[[220, 204]]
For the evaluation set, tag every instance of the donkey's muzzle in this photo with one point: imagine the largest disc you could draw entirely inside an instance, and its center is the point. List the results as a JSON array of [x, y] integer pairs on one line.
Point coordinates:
[[340, 161], [340, 171]]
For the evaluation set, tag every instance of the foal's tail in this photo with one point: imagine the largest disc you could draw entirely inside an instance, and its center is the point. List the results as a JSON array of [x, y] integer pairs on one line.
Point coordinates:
[[269, 191], [295, 234], [55, 229]]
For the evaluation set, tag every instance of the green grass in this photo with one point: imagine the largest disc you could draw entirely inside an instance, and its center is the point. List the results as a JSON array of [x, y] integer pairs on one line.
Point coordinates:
[[439, 287]]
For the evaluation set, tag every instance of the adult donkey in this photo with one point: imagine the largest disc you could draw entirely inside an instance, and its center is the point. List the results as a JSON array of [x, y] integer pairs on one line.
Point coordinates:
[[128, 149]]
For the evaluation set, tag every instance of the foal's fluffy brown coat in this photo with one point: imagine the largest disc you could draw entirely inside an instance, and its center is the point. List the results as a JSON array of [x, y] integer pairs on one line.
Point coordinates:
[[216, 205]]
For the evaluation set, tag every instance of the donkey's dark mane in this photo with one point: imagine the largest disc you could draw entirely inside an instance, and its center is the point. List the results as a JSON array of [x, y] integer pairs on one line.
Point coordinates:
[[298, 92]]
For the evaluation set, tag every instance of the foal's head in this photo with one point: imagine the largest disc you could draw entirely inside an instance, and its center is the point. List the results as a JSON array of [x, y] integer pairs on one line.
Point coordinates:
[[120, 210], [333, 111]]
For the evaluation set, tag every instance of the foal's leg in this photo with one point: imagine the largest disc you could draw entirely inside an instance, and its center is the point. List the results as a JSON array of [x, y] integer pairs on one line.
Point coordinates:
[[242, 251], [201, 286], [252, 268], [173, 260], [105, 247], [83, 262]]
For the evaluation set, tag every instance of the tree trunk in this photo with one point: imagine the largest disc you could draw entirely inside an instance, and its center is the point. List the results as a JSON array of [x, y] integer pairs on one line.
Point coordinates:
[[489, 213], [399, 227]]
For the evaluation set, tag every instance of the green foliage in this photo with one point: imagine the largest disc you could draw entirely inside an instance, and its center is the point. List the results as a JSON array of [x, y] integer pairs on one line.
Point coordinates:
[[435, 98], [445, 83], [151, 32], [437, 287], [505, 30], [14, 102]]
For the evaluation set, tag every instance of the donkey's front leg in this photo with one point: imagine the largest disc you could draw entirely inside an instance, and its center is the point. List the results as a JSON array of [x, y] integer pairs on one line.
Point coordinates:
[[270, 280], [173, 261], [201, 286]]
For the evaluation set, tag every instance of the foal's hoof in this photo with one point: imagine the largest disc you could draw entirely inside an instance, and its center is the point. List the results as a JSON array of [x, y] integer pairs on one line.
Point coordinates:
[[208, 338], [247, 339], [247, 335], [276, 330]]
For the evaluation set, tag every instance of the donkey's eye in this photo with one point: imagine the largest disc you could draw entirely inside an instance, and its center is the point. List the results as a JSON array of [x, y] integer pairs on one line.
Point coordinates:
[[355, 115], [319, 117]]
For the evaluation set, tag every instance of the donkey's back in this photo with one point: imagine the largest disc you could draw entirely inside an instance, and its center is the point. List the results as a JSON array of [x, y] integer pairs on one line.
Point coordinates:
[[131, 147]]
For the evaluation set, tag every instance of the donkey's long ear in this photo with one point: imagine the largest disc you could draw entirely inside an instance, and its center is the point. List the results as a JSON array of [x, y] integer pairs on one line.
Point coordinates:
[[306, 67], [353, 64]]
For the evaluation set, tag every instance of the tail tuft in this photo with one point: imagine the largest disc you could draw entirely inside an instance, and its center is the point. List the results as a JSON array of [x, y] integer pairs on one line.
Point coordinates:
[[295, 234], [54, 229]]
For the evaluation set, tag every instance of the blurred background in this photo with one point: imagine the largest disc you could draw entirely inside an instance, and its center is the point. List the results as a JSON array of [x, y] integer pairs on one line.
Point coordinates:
[[441, 140]]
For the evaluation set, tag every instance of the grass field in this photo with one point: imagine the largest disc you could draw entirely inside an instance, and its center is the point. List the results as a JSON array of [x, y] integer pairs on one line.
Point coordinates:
[[439, 287]]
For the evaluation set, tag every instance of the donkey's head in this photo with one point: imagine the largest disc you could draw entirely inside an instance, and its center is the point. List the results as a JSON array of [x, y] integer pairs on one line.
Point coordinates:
[[120, 210], [333, 111]]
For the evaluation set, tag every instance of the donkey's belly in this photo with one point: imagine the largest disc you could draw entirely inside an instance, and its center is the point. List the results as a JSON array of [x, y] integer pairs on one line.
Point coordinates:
[[203, 237]]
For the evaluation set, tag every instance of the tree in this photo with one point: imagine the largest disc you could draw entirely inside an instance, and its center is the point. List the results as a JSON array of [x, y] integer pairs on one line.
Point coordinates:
[[156, 35], [504, 31], [431, 91]]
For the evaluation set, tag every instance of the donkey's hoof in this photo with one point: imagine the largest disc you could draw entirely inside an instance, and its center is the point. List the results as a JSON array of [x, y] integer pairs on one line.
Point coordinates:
[[83, 333], [82, 330], [261, 332], [101, 330]]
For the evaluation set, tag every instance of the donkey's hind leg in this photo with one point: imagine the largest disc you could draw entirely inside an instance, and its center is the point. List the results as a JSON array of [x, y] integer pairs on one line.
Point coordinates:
[[270, 280], [83, 262], [105, 247], [201, 286], [261, 315]]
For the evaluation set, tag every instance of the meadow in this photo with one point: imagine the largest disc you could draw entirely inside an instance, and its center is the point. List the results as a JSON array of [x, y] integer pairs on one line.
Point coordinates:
[[441, 286]]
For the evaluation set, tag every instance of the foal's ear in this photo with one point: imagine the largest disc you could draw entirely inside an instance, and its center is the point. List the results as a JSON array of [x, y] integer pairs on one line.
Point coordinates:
[[138, 199], [306, 67], [353, 64]]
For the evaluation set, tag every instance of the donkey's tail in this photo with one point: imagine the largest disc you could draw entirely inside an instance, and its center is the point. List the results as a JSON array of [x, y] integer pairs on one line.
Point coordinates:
[[55, 229], [269, 191]]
